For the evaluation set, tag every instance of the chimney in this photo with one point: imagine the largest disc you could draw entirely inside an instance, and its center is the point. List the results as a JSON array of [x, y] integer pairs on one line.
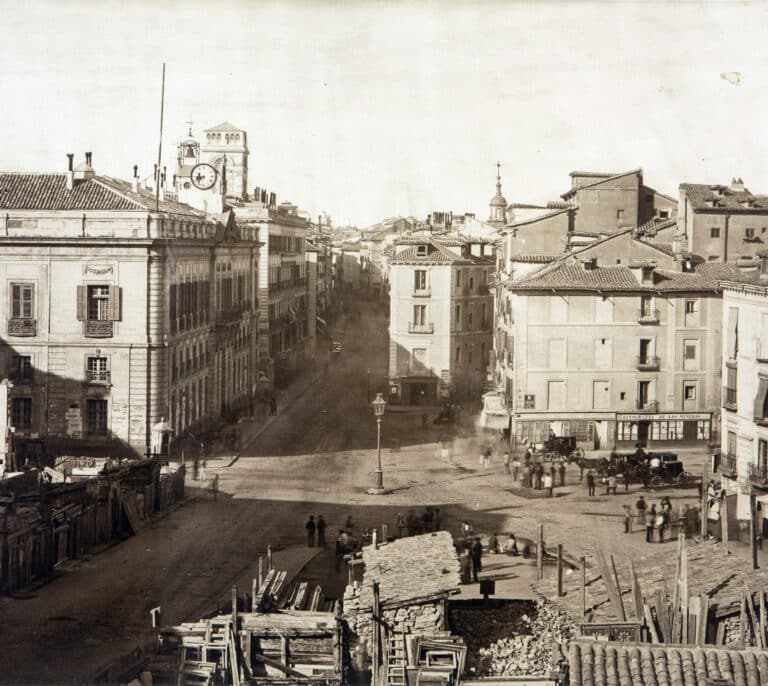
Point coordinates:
[[135, 179], [154, 175], [737, 185], [70, 171], [89, 159]]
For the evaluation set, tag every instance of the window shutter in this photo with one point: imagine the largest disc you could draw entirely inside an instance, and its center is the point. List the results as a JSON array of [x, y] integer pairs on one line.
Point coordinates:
[[114, 303], [27, 293], [16, 301], [82, 303]]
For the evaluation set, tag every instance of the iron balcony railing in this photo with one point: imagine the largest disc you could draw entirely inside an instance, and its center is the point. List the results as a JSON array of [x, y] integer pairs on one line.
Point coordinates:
[[98, 376], [727, 464], [22, 327], [97, 328], [421, 328], [647, 405], [729, 398], [758, 475], [425, 292], [648, 363], [648, 316]]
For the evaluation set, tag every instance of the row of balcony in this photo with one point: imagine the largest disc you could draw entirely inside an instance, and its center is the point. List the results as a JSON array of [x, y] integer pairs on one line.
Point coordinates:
[[758, 473], [92, 376]]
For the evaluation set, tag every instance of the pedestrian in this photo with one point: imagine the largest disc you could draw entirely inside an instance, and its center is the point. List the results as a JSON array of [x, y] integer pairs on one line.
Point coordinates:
[[215, 488], [562, 472], [477, 558], [487, 458], [627, 518], [233, 441], [581, 470], [445, 452], [640, 507], [650, 519], [526, 476], [590, 483], [610, 485], [548, 484], [515, 469], [466, 528], [321, 530], [203, 465], [272, 407], [465, 565], [506, 461], [348, 526], [341, 548], [437, 520], [310, 527]]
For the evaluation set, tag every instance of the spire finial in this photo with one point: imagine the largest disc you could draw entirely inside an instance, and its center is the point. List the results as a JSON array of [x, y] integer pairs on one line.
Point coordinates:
[[498, 177], [190, 122]]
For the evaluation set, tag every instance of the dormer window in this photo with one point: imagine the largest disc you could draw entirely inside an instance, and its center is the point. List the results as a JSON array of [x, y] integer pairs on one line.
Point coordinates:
[[749, 233], [647, 275], [421, 250]]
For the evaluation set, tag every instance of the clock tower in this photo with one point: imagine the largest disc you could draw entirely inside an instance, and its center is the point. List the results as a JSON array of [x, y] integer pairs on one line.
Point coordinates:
[[198, 183], [223, 146]]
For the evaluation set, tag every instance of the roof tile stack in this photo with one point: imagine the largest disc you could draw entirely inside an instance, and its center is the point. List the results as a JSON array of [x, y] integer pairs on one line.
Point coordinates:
[[595, 663]]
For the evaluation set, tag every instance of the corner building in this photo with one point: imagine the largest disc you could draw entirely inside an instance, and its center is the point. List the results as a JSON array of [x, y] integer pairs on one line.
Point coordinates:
[[615, 344], [440, 320], [119, 312]]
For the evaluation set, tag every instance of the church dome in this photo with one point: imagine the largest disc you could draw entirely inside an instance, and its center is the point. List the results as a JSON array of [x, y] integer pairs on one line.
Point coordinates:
[[498, 200]]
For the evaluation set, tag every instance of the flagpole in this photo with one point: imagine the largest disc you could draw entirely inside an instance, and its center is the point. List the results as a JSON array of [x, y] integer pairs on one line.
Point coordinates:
[[160, 144]]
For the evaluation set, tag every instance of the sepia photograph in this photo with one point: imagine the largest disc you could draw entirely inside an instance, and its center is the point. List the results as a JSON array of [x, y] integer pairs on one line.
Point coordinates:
[[363, 343]]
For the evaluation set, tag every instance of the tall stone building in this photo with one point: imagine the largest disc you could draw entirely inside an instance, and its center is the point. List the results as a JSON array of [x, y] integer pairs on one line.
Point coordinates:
[[440, 320], [121, 308]]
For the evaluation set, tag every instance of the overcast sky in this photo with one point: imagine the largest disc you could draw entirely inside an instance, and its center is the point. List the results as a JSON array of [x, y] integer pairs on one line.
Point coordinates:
[[367, 110]]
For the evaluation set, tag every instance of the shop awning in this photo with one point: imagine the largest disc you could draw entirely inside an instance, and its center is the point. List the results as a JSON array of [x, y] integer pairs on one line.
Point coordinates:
[[494, 414]]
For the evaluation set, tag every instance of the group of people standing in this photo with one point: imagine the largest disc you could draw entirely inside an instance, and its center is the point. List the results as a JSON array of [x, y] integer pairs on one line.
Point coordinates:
[[658, 520], [471, 559]]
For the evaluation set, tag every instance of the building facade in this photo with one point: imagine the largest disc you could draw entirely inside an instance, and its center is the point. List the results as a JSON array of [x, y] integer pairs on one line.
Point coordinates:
[[723, 223], [440, 321], [616, 344], [743, 463], [121, 309]]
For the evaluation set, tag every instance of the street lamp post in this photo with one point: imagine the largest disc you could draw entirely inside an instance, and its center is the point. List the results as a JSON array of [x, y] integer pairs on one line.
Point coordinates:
[[378, 410]]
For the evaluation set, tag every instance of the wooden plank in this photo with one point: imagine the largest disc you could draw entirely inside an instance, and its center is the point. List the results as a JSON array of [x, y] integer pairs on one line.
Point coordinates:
[[662, 613], [583, 596], [684, 599], [703, 520], [613, 594], [540, 553], [650, 624], [763, 617], [724, 524], [279, 665], [742, 621], [752, 530], [720, 636], [703, 619], [637, 595], [560, 570], [618, 589], [757, 637]]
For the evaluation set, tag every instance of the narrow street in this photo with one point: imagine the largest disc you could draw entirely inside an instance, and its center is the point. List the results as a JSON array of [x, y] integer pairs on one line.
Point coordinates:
[[316, 457]]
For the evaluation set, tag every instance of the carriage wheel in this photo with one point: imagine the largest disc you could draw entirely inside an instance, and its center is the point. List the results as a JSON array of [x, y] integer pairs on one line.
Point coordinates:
[[656, 482], [683, 479], [577, 454]]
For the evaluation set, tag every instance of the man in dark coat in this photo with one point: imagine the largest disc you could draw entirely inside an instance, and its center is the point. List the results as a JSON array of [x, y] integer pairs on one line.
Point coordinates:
[[477, 557], [590, 483], [310, 527], [321, 530]]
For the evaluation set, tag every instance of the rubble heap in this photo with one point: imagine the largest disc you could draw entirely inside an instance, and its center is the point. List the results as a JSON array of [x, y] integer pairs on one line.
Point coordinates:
[[536, 649]]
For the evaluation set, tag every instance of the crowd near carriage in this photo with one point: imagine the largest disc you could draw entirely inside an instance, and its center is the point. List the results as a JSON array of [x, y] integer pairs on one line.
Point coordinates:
[[652, 469]]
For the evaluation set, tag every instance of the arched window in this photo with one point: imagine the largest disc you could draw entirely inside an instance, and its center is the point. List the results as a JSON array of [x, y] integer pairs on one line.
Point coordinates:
[[237, 137], [218, 138], [208, 136], [226, 138]]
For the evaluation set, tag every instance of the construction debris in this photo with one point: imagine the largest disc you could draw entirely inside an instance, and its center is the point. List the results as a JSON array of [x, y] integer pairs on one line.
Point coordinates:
[[535, 643]]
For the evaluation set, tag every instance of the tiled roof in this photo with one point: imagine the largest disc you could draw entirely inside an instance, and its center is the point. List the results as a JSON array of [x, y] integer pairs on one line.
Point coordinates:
[[437, 254], [535, 258], [724, 201], [599, 175], [19, 191], [600, 178], [620, 278], [224, 126], [409, 568], [600, 663], [709, 571], [49, 192]]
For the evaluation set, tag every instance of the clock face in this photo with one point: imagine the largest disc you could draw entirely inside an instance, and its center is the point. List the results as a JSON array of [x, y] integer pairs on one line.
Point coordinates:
[[203, 176]]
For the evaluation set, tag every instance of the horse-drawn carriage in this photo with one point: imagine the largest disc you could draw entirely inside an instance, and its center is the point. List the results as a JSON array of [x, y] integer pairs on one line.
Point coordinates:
[[557, 448], [653, 470]]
